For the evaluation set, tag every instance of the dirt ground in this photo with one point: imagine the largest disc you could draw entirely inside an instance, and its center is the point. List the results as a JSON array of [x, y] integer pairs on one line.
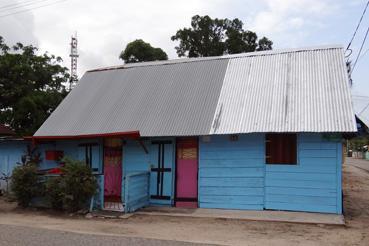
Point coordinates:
[[218, 231]]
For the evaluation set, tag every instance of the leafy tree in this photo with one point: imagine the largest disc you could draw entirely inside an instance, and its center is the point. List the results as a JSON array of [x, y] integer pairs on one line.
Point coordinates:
[[31, 86], [140, 51], [214, 37]]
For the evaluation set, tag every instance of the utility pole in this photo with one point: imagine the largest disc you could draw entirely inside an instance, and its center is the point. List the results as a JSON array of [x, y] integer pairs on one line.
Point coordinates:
[[73, 62]]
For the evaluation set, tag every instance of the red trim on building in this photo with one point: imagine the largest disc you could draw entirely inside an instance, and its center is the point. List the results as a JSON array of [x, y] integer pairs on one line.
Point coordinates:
[[130, 134]]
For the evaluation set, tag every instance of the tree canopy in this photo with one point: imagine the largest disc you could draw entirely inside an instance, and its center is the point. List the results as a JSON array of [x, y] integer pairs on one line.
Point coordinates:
[[215, 37], [31, 86], [140, 51]]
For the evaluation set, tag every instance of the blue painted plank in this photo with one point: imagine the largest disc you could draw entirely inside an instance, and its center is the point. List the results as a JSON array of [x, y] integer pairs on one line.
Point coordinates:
[[317, 146], [252, 199], [301, 199], [301, 169], [257, 162], [232, 191], [300, 191], [231, 172], [232, 206], [300, 207], [231, 155], [231, 182], [300, 184], [314, 153], [301, 176]]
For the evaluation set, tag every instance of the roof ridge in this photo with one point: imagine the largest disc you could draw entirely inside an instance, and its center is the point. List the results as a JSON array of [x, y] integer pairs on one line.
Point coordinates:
[[228, 56]]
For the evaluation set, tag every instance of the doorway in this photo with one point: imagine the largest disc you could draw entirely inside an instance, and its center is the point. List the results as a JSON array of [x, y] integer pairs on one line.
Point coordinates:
[[113, 174], [161, 172], [187, 173]]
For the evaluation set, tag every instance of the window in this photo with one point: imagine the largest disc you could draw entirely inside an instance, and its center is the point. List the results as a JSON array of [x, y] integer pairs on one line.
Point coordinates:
[[281, 149], [86, 153]]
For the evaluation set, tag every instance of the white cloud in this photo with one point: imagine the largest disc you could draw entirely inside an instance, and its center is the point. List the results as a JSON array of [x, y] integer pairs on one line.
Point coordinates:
[[17, 28], [290, 20]]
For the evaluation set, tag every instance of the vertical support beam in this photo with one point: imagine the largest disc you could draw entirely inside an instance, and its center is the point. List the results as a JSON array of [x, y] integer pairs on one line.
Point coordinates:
[[126, 194], [339, 177]]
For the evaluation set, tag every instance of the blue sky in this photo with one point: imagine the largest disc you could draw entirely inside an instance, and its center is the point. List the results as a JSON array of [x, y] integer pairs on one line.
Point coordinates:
[[105, 27]]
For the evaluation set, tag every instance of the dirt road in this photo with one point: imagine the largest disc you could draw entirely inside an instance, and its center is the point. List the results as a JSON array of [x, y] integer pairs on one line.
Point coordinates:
[[219, 231], [20, 235]]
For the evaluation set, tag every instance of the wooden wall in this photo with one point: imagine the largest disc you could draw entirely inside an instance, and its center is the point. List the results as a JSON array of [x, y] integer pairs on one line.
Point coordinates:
[[231, 173], [314, 184]]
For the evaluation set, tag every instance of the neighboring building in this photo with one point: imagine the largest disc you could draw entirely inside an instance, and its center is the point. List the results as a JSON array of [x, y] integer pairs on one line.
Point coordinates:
[[11, 151], [6, 131], [261, 130]]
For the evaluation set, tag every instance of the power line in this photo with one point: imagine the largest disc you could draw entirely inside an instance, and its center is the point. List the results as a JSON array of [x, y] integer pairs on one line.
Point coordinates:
[[361, 48], [363, 109], [360, 96], [358, 25], [25, 10], [17, 4], [8, 7]]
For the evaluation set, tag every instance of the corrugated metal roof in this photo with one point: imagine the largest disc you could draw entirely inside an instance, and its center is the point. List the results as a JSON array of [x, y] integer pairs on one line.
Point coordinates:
[[177, 99], [304, 91], [300, 90]]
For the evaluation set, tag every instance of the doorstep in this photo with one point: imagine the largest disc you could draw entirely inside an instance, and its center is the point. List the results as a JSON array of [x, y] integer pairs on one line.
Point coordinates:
[[105, 214], [265, 215]]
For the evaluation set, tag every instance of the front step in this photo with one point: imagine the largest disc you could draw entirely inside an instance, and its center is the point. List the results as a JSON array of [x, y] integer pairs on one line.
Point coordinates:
[[108, 214], [113, 206]]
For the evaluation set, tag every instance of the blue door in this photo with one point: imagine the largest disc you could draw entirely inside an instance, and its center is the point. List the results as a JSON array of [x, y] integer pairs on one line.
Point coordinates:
[[161, 168]]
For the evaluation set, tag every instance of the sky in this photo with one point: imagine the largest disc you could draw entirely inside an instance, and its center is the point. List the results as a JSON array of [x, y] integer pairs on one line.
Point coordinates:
[[105, 27]]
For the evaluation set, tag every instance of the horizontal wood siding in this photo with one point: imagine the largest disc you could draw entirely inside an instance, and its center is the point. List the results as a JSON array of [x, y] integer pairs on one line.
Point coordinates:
[[137, 193], [231, 173], [314, 184]]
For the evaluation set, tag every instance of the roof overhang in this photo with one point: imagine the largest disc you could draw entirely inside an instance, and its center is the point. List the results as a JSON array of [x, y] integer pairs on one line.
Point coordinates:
[[130, 134]]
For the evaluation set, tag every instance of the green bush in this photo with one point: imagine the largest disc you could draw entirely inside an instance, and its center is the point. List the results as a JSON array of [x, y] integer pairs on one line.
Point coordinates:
[[24, 184], [78, 184], [55, 192]]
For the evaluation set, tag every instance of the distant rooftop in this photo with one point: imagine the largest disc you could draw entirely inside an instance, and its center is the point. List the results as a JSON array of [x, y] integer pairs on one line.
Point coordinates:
[[6, 131]]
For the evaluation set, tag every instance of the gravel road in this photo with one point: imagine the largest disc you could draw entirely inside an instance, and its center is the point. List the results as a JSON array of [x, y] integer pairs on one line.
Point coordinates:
[[19, 236]]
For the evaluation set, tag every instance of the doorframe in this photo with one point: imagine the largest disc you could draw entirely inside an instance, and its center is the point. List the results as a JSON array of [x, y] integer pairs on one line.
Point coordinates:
[[164, 170], [122, 193], [184, 199]]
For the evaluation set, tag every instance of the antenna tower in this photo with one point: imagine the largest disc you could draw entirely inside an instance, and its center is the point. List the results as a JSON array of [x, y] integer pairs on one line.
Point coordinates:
[[73, 61]]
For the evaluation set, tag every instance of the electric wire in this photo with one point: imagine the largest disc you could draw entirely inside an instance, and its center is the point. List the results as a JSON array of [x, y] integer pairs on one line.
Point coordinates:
[[29, 9], [361, 48], [22, 5], [358, 25]]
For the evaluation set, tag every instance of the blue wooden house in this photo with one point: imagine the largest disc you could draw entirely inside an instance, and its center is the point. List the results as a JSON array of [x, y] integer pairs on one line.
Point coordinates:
[[257, 131]]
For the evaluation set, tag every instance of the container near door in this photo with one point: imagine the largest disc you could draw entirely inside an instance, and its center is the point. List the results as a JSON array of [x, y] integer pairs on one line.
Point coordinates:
[[187, 173]]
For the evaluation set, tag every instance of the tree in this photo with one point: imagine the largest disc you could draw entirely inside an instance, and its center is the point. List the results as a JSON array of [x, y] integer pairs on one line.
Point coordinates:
[[31, 86], [215, 37], [140, 51]]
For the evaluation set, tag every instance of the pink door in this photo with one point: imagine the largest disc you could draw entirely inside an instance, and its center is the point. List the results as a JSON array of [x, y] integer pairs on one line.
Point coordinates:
[[112, 170], [186, 173]]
